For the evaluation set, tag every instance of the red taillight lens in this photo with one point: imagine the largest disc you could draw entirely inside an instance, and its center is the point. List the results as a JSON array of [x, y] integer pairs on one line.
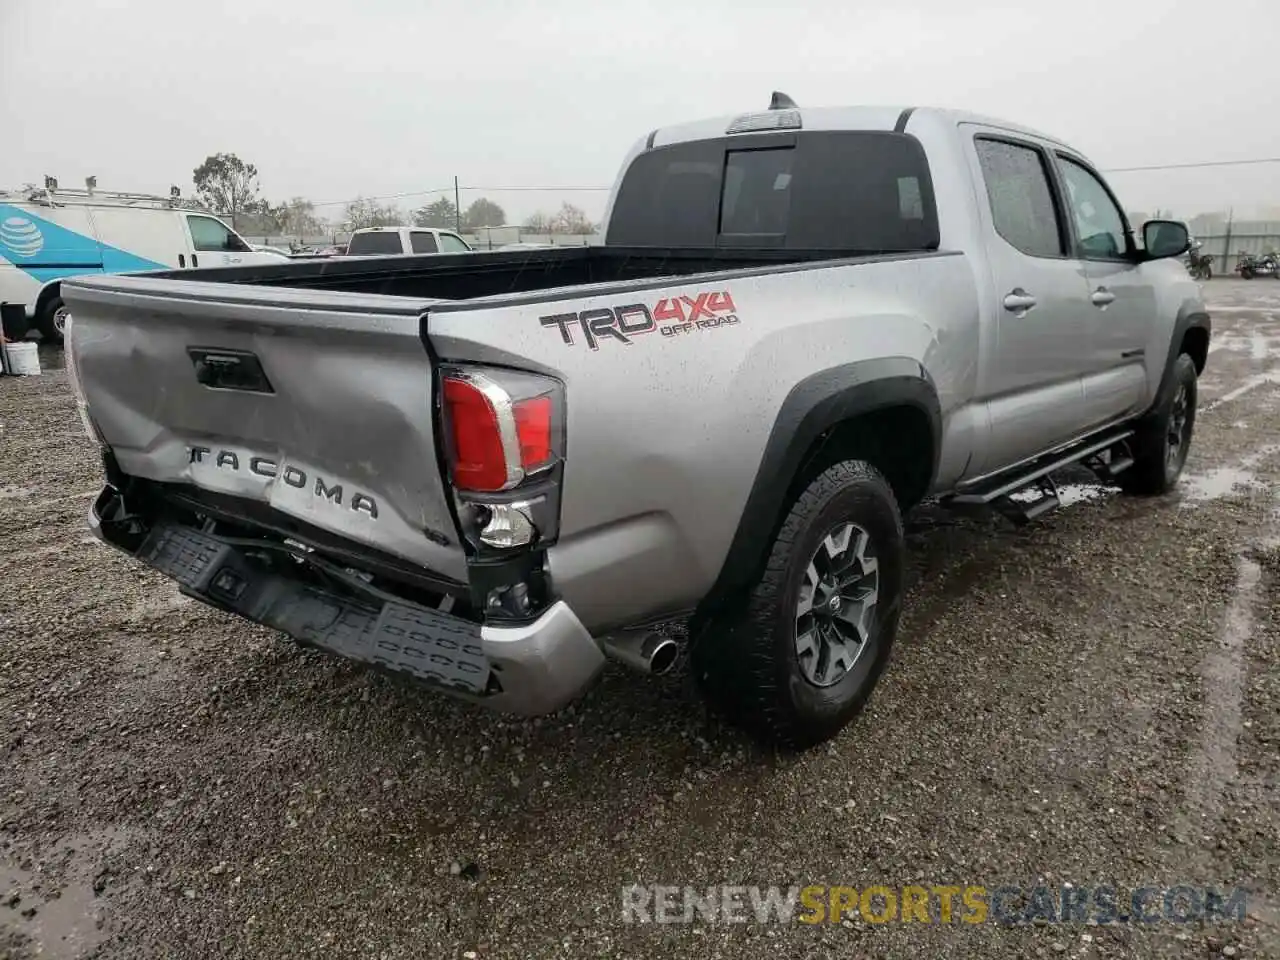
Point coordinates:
[[533, 428], [478, 462], [501, 428]]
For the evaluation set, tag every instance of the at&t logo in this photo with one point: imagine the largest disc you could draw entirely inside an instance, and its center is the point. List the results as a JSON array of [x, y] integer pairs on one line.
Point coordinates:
[[21, 236]]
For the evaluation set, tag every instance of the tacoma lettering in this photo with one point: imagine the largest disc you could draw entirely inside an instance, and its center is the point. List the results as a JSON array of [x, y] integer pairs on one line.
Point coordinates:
[[295, 477]]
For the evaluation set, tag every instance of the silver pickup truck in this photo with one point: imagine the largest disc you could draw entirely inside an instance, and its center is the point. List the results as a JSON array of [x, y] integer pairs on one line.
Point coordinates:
[[493, 471]]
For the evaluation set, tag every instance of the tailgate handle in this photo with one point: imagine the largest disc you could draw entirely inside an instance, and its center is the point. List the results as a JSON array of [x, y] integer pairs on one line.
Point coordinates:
[[229, 370]]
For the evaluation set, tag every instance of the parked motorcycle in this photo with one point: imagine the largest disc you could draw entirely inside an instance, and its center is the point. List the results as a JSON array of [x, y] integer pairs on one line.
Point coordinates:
[[1250, 266], [1199, 265]]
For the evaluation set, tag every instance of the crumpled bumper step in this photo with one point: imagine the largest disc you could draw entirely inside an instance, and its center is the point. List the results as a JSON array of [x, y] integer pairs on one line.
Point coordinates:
[[400, 636]]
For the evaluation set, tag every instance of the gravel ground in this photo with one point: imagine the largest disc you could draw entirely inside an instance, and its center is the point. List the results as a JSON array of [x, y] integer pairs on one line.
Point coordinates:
[[1092, 699]]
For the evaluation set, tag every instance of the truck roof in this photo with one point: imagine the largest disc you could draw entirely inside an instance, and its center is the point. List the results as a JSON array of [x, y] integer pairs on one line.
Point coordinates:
[[836, 118], [403, 226]]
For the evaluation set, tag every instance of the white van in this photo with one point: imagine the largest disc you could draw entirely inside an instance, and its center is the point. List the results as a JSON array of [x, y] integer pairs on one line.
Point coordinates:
[[398, 241], [47, 234]]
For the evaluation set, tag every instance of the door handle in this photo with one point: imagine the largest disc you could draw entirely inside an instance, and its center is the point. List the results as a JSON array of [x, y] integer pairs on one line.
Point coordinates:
[[182, 261], [1101, 297], [1018, 300], [233, 259], [194, 261]]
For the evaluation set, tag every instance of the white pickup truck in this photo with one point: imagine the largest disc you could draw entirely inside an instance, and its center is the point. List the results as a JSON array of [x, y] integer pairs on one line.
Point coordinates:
[[492, 471], [396, 241]]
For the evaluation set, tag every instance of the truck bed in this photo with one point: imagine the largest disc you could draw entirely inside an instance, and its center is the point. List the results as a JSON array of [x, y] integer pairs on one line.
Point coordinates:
[[326, 429], [467, 276]]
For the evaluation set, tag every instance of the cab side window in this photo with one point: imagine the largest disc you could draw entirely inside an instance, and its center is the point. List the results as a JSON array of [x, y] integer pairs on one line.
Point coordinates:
[[1099, 222], [423, 242], [1022, 204], [451, 244], [210, 236]]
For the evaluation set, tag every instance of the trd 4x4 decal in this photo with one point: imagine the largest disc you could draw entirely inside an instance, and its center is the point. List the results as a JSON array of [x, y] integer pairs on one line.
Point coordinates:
[[671, 316]]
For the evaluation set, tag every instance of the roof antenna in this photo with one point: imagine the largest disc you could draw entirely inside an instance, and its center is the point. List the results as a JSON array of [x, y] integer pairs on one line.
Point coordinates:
[[780, 101]]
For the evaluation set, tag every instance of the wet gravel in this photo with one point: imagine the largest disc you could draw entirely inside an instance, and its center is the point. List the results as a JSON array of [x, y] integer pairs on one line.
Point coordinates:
[[1091, 699]]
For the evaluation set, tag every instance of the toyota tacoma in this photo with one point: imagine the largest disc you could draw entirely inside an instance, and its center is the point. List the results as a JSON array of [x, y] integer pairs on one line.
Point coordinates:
[[492, 472]]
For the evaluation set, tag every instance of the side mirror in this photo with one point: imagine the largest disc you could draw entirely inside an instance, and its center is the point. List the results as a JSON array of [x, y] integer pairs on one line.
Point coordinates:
[[1165, 238]]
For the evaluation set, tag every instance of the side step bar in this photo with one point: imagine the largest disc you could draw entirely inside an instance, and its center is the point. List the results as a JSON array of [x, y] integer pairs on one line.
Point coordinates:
[[1107, 457]]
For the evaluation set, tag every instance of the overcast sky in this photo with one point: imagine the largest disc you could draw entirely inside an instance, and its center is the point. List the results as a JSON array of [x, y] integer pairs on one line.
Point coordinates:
[[335, 98]]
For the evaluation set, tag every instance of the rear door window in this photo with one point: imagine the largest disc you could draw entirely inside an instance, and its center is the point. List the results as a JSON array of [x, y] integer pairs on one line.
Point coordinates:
[[1018, 188], [377, 242], [423, 242]]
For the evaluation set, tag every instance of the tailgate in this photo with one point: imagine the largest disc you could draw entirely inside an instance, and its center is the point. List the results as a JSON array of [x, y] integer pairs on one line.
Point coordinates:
[[316, 403]]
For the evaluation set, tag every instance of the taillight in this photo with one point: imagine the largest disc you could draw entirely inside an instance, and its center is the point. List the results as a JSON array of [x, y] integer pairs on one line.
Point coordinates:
[[477, 458], [499, 433], [533, 430]]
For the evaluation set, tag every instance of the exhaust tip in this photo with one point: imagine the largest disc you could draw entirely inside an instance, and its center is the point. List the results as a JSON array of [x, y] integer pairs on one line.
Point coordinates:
[[647, 652], [663, 656]]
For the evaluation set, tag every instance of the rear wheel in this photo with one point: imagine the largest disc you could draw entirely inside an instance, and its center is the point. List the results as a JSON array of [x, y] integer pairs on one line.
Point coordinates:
[[801, 655], [52, 321], [1162, 441]]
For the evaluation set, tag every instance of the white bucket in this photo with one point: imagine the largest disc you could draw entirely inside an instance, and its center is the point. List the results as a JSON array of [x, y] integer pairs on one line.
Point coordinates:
[[22, 359]]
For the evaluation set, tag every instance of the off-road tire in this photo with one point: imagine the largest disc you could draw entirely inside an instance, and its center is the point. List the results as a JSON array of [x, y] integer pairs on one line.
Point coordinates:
[[746, 661], [1156, 469]]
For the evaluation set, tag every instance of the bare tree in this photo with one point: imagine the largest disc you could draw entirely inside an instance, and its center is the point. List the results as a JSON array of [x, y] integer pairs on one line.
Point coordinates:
[[361, 213], [297, 217], [538, 223], [571, 219]]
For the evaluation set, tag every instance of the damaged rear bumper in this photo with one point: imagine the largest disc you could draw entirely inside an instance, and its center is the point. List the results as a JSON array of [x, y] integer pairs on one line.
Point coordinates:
[[529, 669]]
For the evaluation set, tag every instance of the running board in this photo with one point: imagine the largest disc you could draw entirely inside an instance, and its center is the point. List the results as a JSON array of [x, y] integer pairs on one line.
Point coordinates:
[[1106, 457]]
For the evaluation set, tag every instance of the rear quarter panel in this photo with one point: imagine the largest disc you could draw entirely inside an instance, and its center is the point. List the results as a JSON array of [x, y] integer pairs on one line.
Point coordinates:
[[665, 433]]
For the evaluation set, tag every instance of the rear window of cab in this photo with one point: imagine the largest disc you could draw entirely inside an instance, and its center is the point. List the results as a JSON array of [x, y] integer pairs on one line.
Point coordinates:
[[851, 191]]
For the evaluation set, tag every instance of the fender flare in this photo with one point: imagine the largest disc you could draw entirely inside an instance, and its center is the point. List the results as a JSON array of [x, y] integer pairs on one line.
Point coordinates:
[[1191, 315], [813, 406]]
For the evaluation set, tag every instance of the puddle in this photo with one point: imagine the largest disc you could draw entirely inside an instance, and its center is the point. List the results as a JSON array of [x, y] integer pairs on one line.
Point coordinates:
[[1254, 306], [1252, 383], [1069, 493], [1258, 347], [1082, 492], [1216, 484], [1197, 488], [59, 910], [65, 928]]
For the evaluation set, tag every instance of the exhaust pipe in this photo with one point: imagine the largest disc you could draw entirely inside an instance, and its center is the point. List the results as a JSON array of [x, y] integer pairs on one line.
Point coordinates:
[[647, 652]]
